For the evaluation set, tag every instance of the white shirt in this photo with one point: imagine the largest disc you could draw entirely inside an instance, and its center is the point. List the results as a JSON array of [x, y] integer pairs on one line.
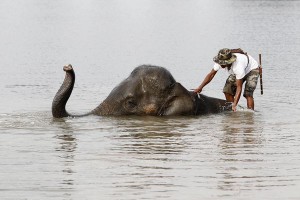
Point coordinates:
[[239, 68]]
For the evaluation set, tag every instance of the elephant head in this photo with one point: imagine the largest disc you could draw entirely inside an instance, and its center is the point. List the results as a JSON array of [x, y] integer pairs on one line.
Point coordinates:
[[149, 90]]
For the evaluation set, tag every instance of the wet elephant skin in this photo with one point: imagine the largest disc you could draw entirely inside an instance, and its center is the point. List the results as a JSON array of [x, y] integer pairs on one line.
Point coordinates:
[[148, 90]]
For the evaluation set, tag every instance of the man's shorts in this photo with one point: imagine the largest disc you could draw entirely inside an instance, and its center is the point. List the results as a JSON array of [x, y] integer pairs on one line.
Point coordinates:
[[251, 82]]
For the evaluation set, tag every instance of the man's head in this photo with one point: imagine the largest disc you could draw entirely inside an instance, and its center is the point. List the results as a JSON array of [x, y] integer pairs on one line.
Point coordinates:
[[225, 58]]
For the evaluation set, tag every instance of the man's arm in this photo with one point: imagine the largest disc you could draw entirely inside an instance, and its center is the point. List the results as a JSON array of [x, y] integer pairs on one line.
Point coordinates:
[[206, 80], [239, 84]]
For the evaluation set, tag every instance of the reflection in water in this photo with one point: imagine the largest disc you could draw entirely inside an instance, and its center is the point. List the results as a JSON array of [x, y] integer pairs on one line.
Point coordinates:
[[67, 146], [151, 135], [240, 150], [150, 144], [241, 128]]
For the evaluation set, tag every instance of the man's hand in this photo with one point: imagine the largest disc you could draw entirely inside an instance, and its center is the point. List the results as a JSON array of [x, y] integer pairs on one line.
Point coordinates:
[[233, 107], [260, 70], [198, 90]]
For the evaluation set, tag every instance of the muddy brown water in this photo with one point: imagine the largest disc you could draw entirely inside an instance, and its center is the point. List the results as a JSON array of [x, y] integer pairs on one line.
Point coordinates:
[[242, 155]]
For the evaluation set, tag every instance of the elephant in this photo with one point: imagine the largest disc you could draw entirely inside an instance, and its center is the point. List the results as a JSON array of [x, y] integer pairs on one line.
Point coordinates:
[[149, 90]]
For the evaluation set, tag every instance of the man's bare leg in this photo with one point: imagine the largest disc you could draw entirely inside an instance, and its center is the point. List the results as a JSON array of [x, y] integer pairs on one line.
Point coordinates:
[[250, 103]]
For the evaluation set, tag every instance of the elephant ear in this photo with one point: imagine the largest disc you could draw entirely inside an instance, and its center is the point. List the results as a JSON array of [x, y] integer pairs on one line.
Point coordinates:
[[180, 101]]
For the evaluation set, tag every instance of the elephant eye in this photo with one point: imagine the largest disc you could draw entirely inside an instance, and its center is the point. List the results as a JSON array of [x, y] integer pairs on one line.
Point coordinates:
[[171, 85], [130, 103]]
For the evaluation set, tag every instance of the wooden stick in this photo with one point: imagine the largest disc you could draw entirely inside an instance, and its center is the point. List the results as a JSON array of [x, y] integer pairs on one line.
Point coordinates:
[[260, 75]]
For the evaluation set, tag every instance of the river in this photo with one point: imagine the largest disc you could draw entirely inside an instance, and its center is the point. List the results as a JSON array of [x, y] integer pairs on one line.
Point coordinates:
[[233, 155]]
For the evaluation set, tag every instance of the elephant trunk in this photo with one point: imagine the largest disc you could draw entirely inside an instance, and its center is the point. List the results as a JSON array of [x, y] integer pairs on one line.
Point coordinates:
[[63, 94]]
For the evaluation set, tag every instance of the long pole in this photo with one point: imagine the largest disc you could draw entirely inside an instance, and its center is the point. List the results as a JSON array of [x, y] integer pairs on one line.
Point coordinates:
[[260, 75]]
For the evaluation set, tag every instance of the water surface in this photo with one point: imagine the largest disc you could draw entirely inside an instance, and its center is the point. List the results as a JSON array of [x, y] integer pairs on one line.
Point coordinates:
[[242, 155]]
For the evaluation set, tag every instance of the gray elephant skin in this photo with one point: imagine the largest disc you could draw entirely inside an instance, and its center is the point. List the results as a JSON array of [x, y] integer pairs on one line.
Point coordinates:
[[149, 90]]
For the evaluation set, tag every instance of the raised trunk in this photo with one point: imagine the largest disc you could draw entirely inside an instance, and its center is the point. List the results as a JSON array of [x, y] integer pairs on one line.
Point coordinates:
[[63, 94]]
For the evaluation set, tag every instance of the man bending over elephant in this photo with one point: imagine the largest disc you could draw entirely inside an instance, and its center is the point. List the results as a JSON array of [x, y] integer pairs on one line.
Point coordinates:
[[241, 68]]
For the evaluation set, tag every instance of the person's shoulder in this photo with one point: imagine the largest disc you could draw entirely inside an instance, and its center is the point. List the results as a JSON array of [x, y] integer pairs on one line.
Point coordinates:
[[241, 58], [239, 55]]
